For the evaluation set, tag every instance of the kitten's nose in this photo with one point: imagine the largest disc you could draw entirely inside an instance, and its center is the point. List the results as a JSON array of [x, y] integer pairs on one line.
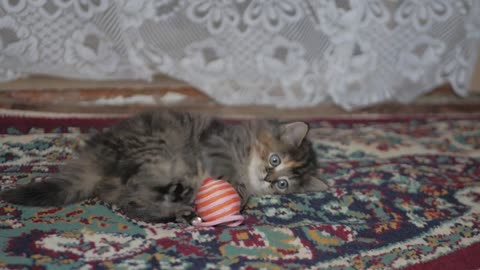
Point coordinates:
[[270, 178]]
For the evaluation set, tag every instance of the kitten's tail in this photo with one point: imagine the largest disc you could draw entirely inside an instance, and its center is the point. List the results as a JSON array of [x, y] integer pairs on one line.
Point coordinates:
[[76, 181]]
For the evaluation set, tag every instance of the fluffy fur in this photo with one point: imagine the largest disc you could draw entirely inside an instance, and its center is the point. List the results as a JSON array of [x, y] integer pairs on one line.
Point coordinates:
[[152, 164]]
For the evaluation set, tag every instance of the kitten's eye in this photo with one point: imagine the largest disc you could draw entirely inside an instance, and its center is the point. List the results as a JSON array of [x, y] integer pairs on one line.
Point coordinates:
[[274, 160], [282, 184]]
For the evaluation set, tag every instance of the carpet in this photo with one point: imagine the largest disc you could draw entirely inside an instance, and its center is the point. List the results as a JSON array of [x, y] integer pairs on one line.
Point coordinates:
[[405, 194]]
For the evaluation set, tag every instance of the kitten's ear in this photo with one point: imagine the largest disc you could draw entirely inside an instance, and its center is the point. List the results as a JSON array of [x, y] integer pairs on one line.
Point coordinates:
[[294, 133], [315, 185]]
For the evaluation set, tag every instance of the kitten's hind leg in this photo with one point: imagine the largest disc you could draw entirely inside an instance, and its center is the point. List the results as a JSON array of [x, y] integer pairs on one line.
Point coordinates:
[[167, 203], [181, 198], [160, 193]]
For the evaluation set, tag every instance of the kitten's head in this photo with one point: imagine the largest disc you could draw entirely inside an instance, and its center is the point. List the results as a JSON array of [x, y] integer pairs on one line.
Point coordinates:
[[283, 160]]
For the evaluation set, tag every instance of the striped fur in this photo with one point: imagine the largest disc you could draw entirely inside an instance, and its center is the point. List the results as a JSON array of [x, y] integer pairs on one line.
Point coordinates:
[[151, 165]]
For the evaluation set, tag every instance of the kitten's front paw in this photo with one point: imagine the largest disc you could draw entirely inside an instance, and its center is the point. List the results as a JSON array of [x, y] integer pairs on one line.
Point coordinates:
[[185, 215], [242, 192], [181, 193], [175, 192]]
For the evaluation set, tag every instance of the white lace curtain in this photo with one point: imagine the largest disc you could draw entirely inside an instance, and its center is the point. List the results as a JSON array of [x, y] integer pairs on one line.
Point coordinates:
[[276, 52]]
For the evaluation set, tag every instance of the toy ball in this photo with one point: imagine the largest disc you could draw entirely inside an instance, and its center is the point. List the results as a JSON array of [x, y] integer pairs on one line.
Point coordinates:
[[217, 202]]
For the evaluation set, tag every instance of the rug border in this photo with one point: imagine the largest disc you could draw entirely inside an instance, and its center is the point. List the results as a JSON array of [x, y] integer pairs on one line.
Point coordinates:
[[54, 115], [459, 259]]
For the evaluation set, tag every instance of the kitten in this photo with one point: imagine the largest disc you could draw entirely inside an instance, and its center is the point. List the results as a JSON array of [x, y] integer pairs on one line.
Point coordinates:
[[151, 165]]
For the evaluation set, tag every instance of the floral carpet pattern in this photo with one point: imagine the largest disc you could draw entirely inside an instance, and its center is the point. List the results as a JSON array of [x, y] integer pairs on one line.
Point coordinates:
[[405, 193]]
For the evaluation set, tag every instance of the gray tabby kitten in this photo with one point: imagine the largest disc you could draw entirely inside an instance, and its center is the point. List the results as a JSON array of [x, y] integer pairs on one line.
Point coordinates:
[[152, 164]]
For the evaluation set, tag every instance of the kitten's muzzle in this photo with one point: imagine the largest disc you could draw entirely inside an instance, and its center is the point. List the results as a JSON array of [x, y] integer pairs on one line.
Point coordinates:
[[270, 178]]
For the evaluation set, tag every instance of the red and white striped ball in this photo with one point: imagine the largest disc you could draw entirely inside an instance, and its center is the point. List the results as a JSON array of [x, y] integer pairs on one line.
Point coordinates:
[[216, 200]]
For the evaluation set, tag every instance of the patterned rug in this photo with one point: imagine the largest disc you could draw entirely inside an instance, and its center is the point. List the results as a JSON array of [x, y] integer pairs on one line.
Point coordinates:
[[405, 194]]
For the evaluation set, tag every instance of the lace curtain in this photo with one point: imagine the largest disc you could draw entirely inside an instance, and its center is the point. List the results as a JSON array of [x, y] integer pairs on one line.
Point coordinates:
[[277, 52]]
